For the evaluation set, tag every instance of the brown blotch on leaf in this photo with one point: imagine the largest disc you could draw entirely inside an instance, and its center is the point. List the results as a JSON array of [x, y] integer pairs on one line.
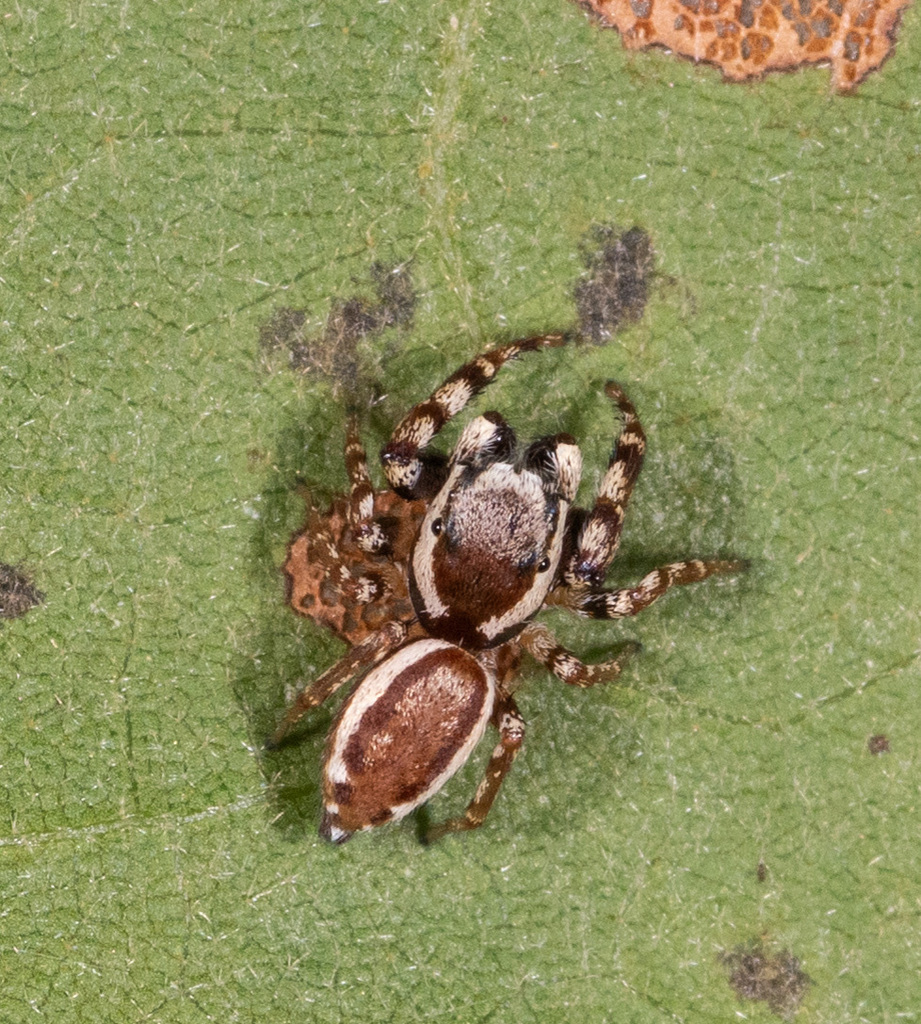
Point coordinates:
[[878, 744], [333, 353], [747, 39], [18, 595], [761, 871], [284, 330], [616, 291], [775, 979]]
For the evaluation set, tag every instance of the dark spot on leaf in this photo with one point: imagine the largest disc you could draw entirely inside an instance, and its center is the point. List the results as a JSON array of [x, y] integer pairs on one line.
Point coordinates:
[[333, 353], [762, 871], [18, 595], [258, 459], [283, 330], [775, 979], [615, 292], [878, 744]]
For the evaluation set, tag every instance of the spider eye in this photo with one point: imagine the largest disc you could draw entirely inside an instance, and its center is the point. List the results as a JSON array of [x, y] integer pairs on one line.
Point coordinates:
[[544, 565], [437, 525]]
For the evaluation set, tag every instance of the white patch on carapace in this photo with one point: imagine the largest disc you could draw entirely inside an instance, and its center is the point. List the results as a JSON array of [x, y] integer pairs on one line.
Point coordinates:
[[476, 436], [534, 598], [329, 830], [424, 552], [502, 514]]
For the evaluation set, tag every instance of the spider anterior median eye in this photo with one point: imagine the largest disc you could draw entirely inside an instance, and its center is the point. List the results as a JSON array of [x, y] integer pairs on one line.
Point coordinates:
[[544, 565], [437, 526]]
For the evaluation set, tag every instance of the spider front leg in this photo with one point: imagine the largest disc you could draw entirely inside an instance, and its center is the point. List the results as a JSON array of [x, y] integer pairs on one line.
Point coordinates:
[[367, 531], [411, 472], [599, 536]]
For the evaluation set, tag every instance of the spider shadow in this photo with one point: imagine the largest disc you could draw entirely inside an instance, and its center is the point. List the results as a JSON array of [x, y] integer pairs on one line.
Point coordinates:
[[685, 505], [283, 650]]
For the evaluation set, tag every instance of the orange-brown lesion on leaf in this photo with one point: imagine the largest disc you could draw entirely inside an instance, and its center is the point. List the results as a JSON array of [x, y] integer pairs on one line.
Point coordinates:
[[749, 38], [756, 47]]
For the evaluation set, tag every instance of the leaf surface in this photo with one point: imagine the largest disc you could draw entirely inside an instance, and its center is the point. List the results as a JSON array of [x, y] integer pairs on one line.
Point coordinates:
[[173, 176]]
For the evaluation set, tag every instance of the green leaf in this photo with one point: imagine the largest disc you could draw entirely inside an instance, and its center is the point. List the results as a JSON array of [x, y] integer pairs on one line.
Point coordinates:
[[174, 175]]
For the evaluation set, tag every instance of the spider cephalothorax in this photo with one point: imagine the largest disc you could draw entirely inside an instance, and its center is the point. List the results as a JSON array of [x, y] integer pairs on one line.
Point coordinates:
[[435, 585], [490, 543]]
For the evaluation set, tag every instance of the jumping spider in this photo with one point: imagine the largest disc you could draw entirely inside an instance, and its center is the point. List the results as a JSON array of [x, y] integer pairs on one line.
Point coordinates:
[[435, 584]]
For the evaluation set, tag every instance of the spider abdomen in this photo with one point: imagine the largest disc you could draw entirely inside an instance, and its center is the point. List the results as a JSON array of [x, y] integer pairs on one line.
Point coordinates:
[[407, 727]]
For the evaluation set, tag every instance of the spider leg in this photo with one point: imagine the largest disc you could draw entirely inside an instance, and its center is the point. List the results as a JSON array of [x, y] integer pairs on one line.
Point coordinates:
[[618, 604], [363, 655], [599, 536], [511, 735], [541, 644], [413, 474], [367, 531]]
